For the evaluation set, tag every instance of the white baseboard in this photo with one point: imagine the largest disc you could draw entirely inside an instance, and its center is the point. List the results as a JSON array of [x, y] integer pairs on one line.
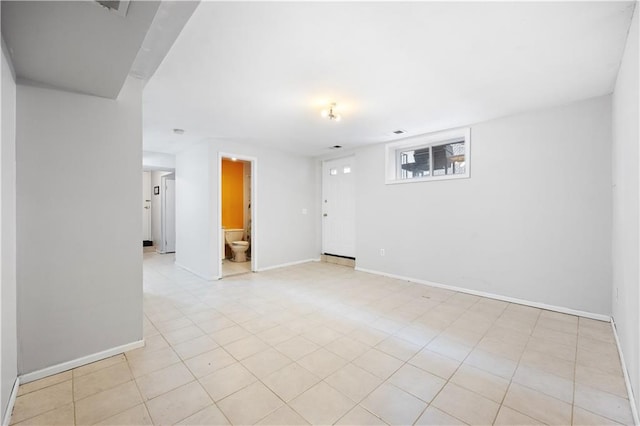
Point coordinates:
[[59, 368], [561, 309], [12, 400], [204, 277], [283, 265], [625, 373]]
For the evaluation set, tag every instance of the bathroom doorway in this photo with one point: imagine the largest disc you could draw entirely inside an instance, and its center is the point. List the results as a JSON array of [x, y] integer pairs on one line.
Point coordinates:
[[236, 214]]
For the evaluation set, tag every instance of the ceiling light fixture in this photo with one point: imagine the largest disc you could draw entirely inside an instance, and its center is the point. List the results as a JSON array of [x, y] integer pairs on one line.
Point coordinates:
[[178, 131], [330, 113]]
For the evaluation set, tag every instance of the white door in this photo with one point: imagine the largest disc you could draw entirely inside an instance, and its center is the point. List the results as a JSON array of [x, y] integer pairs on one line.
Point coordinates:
[[146, 206], [169, 215], [338, 207]]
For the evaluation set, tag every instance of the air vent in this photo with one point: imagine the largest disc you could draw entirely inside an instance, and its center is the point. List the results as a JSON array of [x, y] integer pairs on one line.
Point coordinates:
[[336, 147], [118, 7], [399, 132]]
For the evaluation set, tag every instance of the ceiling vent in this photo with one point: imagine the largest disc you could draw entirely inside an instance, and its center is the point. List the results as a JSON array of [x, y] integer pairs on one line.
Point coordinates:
[[336, 147], [119, 7], [399, 132]]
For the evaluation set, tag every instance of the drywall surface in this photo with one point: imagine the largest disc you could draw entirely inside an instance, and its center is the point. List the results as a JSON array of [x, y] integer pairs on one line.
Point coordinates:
[[532, 222], [8, 343], [79, 251], [626, 189], [158, 161], [194, 212], [284, 230]]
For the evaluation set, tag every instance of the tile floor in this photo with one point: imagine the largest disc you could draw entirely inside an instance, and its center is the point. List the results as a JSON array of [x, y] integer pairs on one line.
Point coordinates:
[[234, 268], [323, 344]]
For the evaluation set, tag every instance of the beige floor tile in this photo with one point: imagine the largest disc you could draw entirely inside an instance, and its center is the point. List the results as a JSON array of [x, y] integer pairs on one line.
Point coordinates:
[[548, 363], [322, 362], [245, 347], [537, 405], [368, 335], [62, 416], [150, 362], [95, 366], [491, 363], [603, 403], [547, 383], [450, 348], [393, 405], [606, 363], [334, 404], [290, 381], [266, 362], [107, 403], [354, 382], [435, 363], [135, 416], [164, 380], [226, 381], [481, 382], [601, 380], [583, 417], [208, 416], [417, 334], [173, 324], [209, 362], [215, 325], [360, 416], [101, 380], [194, 347], [296, 347], [347, 348], [229, 334], [378, 363], [550, 347], [283, 416], [465, 405], [178, 404], [417, 382], [250, 404], [510, 417], [398, 348], [44, 383], [434, 417], [556, 336], [41, 401], [321, 335], [276, 335]]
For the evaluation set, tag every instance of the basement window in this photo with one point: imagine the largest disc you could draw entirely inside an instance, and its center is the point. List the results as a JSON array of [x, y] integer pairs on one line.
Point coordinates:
[[436, 156]]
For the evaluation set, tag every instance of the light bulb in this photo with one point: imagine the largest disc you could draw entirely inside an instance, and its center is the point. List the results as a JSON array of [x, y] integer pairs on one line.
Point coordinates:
[[337, 117], [324, 113]]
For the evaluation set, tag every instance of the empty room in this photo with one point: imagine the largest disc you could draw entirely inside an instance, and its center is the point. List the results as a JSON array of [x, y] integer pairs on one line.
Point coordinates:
[[318, 213]]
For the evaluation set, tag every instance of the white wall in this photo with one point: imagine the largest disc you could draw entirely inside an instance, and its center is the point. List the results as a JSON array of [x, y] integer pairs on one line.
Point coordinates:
[[79, 250], [626, 188], [533, 222], [195, 211], [8, 342], [281, 233], [158, 160]]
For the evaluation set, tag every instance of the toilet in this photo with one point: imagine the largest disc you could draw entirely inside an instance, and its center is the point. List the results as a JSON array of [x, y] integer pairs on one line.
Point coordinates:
[[233, 237]]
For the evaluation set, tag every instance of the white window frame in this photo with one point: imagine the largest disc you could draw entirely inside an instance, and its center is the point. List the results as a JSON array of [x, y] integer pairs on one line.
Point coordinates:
[[424, 141]]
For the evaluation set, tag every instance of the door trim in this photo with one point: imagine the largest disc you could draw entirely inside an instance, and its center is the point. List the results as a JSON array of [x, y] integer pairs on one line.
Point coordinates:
[[254, 208]]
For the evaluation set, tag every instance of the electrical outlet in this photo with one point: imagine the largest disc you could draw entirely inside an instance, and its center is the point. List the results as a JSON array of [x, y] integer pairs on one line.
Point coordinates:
[[381, 252]]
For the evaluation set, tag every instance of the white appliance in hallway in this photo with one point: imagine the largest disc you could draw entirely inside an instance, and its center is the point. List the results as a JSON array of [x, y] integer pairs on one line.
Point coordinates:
[[168, 189], [338, 207]]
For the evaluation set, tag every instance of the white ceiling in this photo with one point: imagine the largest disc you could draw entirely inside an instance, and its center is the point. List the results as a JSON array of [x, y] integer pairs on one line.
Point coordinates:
[[261, 72], [77, 46]]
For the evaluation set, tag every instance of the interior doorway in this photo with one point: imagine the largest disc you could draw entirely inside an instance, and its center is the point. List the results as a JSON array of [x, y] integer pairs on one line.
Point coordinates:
[[236, 189], [338, 208], [168, 213]]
